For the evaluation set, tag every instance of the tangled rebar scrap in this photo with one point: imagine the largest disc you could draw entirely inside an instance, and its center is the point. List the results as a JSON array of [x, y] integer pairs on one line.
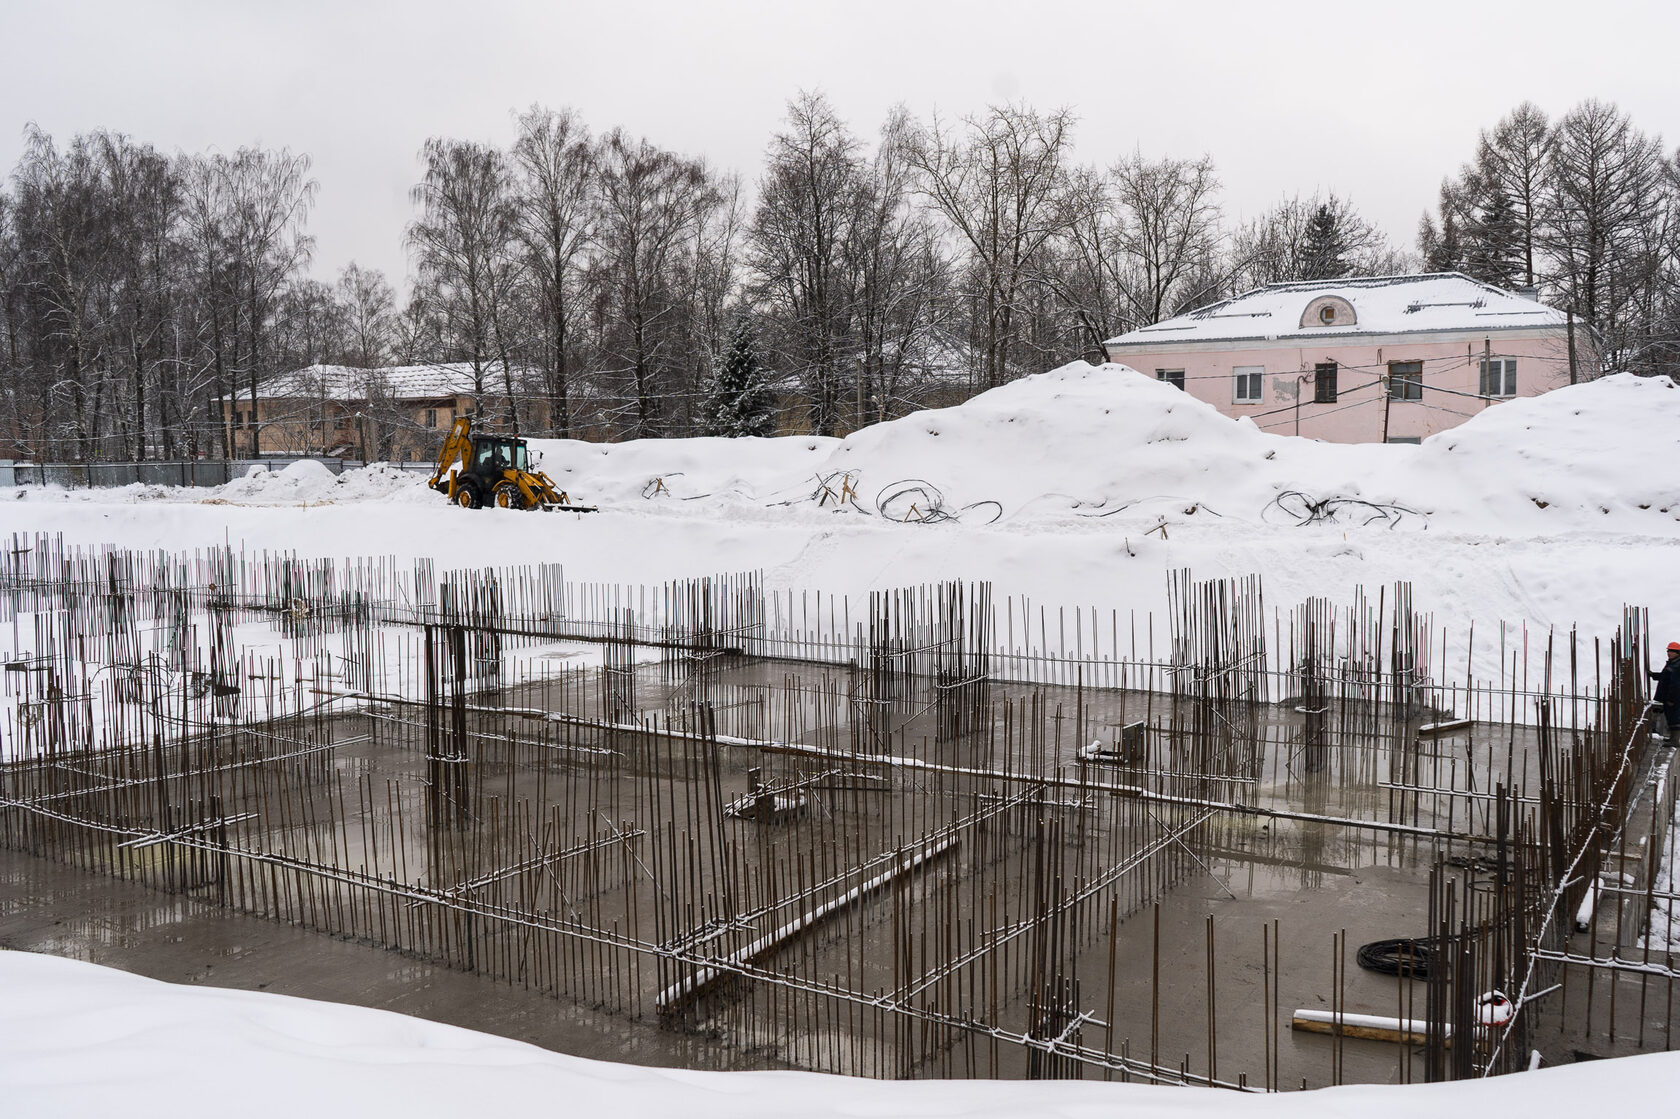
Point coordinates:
[[1304, 509], [914, 499]]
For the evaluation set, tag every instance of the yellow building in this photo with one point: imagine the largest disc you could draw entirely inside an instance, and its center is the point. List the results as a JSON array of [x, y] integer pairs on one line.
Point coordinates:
[[395, 413]]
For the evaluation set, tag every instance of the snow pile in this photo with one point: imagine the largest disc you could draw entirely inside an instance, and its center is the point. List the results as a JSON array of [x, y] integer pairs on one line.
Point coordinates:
[[1104, 441], [309, 482], [1079, 440], [81, 1040], [1083, 440], [383, 481], [1107, 447], [669, 471], [304, 480], [1603, 456]]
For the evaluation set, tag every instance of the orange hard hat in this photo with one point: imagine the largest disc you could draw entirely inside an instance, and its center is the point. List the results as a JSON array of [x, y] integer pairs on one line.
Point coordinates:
[[1674, 646]]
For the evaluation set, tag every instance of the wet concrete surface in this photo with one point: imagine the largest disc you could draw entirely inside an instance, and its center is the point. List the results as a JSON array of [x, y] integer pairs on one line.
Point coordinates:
[[49, 908], [1313, 879]]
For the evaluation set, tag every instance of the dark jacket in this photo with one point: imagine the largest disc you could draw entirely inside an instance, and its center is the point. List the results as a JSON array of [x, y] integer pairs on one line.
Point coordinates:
[[1668, 683]]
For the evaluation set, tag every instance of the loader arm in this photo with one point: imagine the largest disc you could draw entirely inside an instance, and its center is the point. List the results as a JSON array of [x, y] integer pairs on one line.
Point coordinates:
[[456, 448]]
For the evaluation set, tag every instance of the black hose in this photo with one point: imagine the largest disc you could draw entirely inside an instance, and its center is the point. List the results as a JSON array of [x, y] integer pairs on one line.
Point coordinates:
[[1414, 959]]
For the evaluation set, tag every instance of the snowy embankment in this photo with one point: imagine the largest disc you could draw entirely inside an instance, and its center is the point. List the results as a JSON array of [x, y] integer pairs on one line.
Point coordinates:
[[1080, 487], [82, 1040], [1087, 442]]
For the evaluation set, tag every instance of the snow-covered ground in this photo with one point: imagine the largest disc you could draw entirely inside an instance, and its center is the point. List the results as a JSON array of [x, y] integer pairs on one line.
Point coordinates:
[[1083, 486], [1079, 487], [82, 1040]]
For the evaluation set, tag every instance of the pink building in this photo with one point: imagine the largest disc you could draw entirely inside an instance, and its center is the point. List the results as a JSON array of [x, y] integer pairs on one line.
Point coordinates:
[[1360, 360]]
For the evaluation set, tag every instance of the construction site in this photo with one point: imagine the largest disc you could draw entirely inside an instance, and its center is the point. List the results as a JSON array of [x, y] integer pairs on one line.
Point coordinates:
[[943, 833]]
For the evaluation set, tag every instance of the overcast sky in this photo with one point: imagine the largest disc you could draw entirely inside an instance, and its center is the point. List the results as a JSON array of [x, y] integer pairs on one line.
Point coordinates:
[[1374, 101]]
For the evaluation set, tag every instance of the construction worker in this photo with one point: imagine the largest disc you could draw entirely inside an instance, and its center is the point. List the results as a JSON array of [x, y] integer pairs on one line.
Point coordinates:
[[1667, 695]]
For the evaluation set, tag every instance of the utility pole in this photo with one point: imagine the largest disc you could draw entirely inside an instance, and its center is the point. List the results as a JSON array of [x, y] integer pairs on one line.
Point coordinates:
[[1487, 368], [1570, 315], [859, 423], [1388, 399]]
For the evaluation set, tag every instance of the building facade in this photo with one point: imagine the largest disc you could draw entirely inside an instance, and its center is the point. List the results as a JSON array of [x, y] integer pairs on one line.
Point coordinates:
[[1369, 359], [395, 413]]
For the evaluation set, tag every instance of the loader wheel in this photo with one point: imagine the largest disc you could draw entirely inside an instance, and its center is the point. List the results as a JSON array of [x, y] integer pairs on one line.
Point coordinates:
[[506, 495], [466, 496]]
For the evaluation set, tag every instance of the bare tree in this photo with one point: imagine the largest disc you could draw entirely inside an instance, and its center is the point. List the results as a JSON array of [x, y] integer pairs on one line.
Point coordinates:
[[62, 217], [900, 280], [463, 249], [308, 329], [653, 201], [1280, 245], [1604, 205], [557, 204], [14, 390], [208, 237], [366, 305], [269, 195], [1511, 162], [999, 180], [143, 199], [1169, 220], [812, 199], [1087, 261], [711, 286], [1143, 242]]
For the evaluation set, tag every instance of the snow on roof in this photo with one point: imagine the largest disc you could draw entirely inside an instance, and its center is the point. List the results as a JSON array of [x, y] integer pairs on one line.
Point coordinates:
[[403, 382], [1440, 301]]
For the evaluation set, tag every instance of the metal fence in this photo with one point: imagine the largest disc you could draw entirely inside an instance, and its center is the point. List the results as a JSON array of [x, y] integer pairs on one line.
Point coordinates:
[[201, 472]]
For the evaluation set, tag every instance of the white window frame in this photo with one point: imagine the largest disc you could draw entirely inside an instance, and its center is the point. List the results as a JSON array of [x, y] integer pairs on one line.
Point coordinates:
[[1505, 374], [1406, 385], [1167, 376], [1246, 376]]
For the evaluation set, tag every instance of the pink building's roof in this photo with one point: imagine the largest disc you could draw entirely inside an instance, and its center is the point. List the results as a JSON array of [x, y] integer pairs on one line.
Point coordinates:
[[1382, 305]]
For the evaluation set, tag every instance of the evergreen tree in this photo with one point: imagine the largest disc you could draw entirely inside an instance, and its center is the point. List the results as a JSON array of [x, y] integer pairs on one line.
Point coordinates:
[[1494, 245], [740, 401], [1324, 252], [1443, 251]]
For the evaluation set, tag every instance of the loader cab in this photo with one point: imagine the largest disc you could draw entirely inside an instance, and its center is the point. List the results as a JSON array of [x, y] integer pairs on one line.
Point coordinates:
[[492, 455]]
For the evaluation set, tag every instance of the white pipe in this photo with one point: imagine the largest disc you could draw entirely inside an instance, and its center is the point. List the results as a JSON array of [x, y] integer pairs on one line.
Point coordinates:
[[1589, 902], [1371, 1021]]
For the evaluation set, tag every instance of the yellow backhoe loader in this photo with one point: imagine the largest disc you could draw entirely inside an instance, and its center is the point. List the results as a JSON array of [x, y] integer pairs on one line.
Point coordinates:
[[494, 470]]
